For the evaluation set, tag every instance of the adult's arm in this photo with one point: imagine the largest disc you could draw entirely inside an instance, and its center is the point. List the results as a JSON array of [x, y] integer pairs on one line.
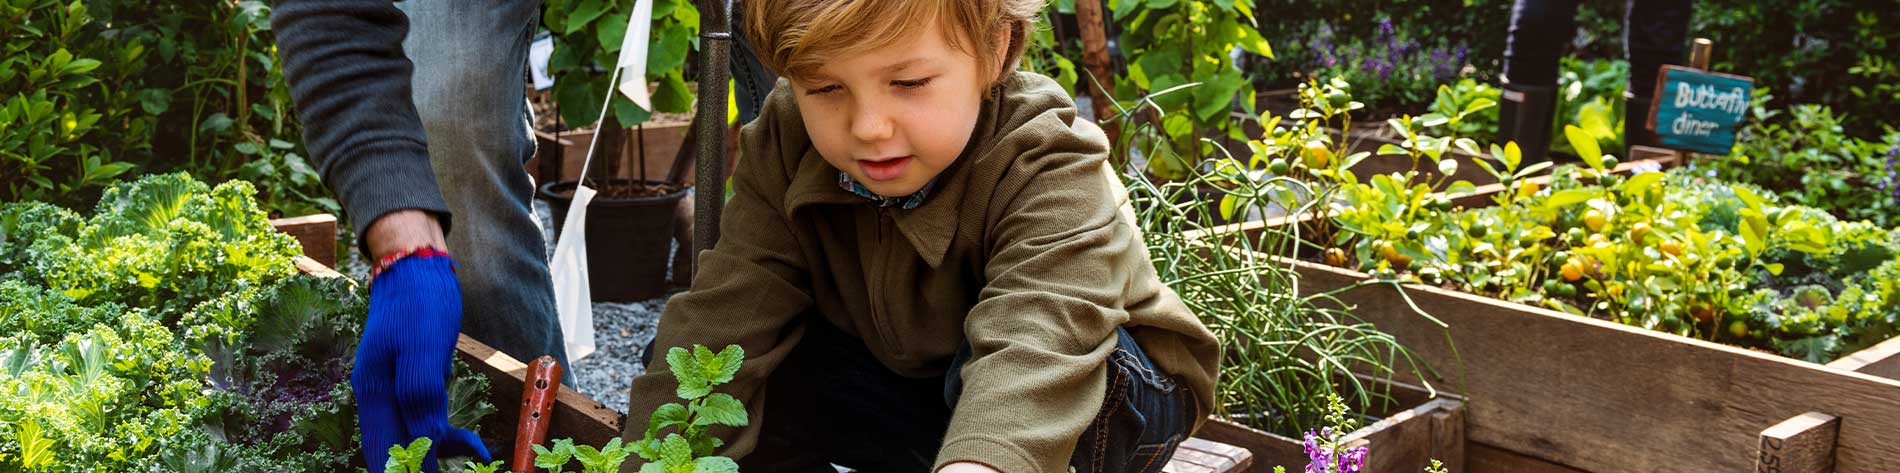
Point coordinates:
[[350, 81]]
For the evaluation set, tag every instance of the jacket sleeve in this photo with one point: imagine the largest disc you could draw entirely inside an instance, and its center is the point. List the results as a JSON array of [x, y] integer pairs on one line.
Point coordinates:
[[350, 81], [748, 291], [1059, 269]]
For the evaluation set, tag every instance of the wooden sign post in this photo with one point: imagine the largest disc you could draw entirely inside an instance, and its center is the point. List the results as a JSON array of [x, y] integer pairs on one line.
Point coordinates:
[[1697, 110]]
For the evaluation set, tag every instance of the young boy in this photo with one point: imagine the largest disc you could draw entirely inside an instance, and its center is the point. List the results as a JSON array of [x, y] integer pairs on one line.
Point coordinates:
[[926, 264]]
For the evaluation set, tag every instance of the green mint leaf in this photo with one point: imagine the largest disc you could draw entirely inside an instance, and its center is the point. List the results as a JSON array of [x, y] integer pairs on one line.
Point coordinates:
[[676, 451], [704, 444], [687, 370], [722, 409], [472, 467], [716, 465], [729, 360]]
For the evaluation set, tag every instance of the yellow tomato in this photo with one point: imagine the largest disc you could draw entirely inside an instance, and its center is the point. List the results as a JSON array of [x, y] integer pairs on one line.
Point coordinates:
[[1638, 231], [1528, 188], [1336, 257], [1594, 220], [1317, 155], [1671, 248], [1391, 253], [1572, 271]]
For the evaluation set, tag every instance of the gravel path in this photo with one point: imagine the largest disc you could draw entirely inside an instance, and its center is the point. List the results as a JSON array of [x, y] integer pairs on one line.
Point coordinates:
[[621, 330]]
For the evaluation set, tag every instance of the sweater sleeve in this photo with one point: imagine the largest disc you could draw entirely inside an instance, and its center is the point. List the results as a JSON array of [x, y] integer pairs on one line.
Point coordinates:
[[748, 291], [1040, 333], [351, 85]]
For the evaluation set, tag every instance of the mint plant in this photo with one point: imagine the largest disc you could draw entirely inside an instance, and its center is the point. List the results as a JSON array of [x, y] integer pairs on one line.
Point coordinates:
[[472, 467], [689, 449], [407, 460], [686, 449]]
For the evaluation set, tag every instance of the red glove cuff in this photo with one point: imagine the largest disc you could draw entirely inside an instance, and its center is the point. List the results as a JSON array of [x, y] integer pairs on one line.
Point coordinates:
[[392, 258]]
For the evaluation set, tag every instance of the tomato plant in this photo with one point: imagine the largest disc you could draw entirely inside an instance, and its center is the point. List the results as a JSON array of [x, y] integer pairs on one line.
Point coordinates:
[[1675, 251]]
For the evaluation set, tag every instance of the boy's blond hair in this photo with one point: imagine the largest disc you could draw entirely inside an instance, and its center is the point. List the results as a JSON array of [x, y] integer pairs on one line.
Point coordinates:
[[795, 37]]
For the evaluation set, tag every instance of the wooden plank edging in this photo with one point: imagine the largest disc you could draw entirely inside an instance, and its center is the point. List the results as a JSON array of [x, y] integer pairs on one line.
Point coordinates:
[[316, 233], [1568, 389]]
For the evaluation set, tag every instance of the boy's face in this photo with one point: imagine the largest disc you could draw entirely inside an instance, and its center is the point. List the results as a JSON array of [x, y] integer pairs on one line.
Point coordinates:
[[894, 117]]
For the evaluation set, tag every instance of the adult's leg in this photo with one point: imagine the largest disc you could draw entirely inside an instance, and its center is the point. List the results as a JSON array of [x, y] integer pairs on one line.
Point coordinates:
[[1539, 31], [1654, 32], [469, 56]]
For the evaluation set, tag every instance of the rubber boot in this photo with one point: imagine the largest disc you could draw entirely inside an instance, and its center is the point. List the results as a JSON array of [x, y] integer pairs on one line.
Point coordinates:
[[1524, 116], [1635, 124]]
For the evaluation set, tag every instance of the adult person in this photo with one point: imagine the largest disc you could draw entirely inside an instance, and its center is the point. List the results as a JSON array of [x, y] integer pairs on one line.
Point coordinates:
[[1654, 32]]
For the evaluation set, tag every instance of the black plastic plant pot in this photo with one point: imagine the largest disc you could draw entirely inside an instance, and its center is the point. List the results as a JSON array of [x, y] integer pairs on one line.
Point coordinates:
[[629, 240]]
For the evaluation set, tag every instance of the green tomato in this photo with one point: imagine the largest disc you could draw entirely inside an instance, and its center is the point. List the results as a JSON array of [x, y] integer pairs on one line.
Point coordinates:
[[1338, 98], [1477, 230], [1278, 167]]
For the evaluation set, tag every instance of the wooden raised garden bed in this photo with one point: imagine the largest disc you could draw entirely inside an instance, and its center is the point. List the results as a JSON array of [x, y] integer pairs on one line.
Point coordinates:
[[1597, 395], [1404, 439], [1549, 391]]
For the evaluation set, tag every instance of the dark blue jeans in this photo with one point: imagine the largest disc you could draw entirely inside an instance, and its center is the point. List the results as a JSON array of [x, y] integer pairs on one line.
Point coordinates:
[[1654, 33], [831, 402]]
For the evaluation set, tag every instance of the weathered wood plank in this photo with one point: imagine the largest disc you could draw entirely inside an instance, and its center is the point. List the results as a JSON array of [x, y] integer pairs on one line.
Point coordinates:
[[575, 415], [1881, 360], [1802, 444], [1405, 440], [1482, 458], [1196, 455], [316, 233], [1568, 389]]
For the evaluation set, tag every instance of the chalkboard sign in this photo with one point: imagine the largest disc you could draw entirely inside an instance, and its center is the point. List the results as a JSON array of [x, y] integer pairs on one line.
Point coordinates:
[[1697, 110]]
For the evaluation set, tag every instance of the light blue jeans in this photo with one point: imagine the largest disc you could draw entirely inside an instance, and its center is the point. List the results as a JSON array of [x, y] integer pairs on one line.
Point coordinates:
[[470, 60]]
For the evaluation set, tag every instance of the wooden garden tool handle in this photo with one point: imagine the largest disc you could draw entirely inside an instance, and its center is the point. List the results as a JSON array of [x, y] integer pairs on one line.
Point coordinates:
[[537, 408]]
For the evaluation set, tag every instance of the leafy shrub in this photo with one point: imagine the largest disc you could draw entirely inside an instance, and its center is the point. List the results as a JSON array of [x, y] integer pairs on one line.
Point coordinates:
[[587, 36], [72, 125], [118, 86], [1838, 53], [1808, 157], [1170, 44]]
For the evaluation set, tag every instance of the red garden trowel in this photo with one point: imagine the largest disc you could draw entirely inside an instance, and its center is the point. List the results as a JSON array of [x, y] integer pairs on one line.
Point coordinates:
[[538, 392]]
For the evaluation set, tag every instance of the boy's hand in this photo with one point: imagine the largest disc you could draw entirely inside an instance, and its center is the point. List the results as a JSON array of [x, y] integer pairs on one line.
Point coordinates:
[[967, 467]]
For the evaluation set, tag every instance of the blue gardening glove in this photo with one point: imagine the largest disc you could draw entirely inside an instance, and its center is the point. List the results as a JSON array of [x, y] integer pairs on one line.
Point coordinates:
[[402, 363]]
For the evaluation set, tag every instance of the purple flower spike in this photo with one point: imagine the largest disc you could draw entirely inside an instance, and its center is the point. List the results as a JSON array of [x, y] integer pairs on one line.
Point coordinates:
[[1353, 461]]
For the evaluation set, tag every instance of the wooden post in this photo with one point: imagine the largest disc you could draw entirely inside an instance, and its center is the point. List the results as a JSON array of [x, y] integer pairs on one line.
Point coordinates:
[[1881, 360], [1699, 53], [316, 233], [1088, 18], [1801, 444]]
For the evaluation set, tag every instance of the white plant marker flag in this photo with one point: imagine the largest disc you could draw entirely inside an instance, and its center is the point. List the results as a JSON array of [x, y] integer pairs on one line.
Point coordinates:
[[633, 54], [572, 299]]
